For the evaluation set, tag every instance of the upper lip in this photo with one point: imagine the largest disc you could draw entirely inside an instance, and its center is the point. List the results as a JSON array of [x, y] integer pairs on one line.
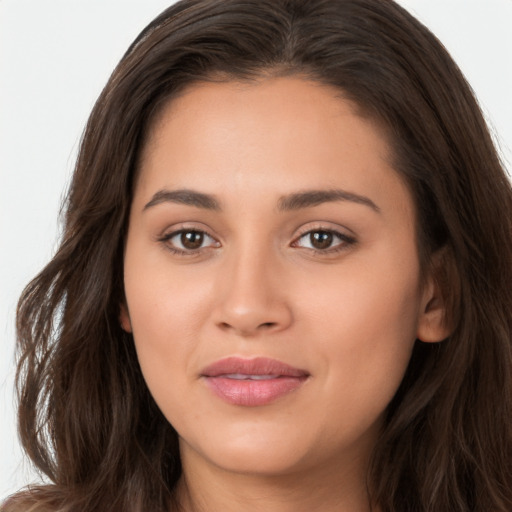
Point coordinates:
[[254, 366]]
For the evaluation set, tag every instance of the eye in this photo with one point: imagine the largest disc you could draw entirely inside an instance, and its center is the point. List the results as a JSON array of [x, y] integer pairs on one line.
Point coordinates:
[[324, 240], [188, 241]]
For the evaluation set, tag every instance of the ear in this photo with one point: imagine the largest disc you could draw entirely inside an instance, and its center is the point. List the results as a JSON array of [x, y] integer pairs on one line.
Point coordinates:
[[124, 318], [433, 323]]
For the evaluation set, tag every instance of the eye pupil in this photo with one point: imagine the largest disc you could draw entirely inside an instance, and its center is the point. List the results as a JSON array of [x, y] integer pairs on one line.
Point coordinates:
[[321, 239], [192, 239]]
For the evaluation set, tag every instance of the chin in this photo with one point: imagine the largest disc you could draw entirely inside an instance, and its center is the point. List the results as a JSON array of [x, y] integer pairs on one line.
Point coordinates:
[[251, 450], [270, 461]]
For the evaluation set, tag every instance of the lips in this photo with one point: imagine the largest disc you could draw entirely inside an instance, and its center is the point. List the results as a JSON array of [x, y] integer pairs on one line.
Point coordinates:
[[252, 382]]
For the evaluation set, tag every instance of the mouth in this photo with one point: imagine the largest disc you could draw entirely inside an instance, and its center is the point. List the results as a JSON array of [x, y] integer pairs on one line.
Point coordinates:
[[252, 382]]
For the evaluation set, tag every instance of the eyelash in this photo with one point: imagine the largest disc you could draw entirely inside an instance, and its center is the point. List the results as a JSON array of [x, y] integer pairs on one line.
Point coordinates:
[[345, 241], [166, 240]]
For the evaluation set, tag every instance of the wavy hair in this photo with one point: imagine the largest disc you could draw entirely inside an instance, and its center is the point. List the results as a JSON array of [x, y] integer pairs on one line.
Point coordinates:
[[86, 417]]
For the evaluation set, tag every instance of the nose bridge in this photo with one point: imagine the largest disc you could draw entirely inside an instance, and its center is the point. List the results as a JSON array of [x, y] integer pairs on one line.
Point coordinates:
[[251, 299]]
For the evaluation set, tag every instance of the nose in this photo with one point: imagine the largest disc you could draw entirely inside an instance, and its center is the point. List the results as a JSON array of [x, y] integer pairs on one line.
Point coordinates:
[[252, 297]]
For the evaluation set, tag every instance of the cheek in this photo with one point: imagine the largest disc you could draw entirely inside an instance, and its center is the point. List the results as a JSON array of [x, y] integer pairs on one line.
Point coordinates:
[[364, 326], [166, 314]]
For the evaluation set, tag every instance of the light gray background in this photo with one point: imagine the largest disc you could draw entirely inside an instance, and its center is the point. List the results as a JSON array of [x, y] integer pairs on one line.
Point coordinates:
[[56, 55]]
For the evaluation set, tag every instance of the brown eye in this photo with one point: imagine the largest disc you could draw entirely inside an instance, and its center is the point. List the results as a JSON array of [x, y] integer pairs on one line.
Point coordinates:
[[191, 239], [321, 239], [188, 241], [324, 240]]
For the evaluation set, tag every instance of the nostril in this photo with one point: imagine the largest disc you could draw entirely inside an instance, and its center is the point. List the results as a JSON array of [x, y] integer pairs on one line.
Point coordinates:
[[262, 326]]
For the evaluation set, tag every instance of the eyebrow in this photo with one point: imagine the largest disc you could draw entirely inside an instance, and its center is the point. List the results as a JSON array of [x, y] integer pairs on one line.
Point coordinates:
[[310, 198], [291, 202], [186, 197]]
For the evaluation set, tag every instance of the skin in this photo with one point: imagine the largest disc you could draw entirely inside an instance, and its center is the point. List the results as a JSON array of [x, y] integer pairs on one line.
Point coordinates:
[[348, 313]]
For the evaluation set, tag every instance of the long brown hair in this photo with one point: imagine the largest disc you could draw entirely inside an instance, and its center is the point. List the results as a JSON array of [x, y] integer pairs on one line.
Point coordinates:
[[86, 417]]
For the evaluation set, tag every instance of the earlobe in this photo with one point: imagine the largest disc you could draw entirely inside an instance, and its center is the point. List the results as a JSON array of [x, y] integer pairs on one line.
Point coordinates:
[[124, 318], [433, 323]]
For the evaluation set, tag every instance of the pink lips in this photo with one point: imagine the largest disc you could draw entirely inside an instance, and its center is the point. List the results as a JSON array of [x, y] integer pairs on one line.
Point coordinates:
[[252, 382]]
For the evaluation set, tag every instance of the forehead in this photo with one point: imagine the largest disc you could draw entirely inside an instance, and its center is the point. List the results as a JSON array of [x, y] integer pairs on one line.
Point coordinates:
[[286, 132], [289, 106]]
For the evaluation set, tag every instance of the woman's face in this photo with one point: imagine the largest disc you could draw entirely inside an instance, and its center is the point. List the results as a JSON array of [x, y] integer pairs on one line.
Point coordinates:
[[272, 277]]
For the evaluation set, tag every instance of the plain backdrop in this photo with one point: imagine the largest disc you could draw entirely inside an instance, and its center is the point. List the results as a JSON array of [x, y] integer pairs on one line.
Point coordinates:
[[55, 57]]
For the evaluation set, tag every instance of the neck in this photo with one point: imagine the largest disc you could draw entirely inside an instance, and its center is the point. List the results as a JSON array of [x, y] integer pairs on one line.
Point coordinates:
[[208, 488]]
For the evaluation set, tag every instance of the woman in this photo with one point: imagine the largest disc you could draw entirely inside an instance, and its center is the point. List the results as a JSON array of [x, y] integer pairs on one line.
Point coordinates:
[[284, 282]]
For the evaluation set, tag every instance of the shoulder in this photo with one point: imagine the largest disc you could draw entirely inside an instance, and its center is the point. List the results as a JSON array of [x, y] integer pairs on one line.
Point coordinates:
[[42, 499]]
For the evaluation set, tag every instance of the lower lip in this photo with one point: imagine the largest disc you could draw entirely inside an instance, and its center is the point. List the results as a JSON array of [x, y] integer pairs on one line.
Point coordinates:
[[252, 393]]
